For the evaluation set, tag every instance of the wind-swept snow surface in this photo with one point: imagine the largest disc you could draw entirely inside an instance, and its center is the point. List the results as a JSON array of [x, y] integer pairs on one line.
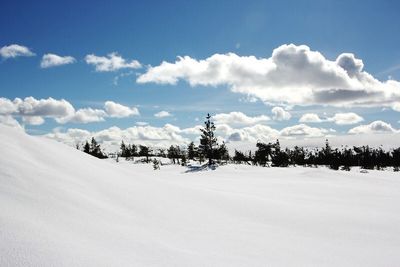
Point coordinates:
[[61, 207]]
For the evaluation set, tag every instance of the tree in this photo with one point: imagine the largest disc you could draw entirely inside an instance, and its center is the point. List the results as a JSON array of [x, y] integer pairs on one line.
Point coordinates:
[[94, 149], [124, 150], [222, 152], [280, 158], [131, 151], [239, 157], [263, 152], [86, 147], [173, 153], [208, 141], [192, 151], [145, 151]]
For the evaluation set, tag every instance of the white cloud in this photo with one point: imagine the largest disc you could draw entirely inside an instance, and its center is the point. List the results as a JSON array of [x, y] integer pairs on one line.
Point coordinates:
[[14, 50], [310, 118], [396, 106], [112, 62], [162, 114], [84, 115], [49, 107], [238, 118], [33, 111], [293, 75], [33, 120], [141, 123], [346, 118], [111, 137], [280, 114], [7, 106], [116, 110], [373, 128], [53, 60], [303, 130], [253, 134], [338, 118]]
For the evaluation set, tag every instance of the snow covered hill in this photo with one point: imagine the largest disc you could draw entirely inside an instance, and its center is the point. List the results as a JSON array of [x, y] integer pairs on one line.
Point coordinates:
[[61, 207]]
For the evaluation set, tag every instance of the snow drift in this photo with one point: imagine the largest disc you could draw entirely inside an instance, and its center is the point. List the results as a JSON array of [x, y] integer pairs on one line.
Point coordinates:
[[61, 207]]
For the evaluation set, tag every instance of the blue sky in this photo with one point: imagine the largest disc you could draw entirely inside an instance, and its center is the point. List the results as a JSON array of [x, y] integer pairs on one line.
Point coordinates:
[[155, 31]]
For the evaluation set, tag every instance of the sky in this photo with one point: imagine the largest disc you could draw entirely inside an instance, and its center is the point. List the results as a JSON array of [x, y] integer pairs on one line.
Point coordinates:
[[149, 71]]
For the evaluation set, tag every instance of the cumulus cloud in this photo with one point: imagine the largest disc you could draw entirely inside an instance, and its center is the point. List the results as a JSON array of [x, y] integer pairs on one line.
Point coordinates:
[[53, 60], [303, 130], [33, 111], [84, 115], [7, 106], [280, 114], [396, 106], [116, 110], [111, 137], [346, 118], [111, 62], [253, 134], [293, 75], [310, 118], [30, 106], [15, 50], [338, 118], [33, 120], [162, 114], [373, 128], [238, 118]]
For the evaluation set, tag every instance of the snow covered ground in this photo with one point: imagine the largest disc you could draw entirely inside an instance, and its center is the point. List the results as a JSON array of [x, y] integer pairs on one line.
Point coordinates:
[[61, 207]]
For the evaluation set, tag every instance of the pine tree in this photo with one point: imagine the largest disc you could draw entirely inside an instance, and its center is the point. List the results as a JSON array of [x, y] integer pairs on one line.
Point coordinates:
[[123, 150], [263, 152], [86, 147], [222, 152], [208, 141], [192, 151], [172, 153], [145, 151]]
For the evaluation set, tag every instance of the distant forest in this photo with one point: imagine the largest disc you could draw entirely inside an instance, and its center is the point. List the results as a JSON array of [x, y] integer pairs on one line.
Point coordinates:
[[267, 154]]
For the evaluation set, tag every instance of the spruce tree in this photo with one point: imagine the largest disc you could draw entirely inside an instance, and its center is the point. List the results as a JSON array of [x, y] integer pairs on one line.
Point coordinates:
[[145, 151], [208, 141], [86, 147], [123, 149], [192, 151]]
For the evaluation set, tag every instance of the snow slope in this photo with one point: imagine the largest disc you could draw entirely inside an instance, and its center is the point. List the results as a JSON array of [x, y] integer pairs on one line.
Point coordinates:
[[61, 207]]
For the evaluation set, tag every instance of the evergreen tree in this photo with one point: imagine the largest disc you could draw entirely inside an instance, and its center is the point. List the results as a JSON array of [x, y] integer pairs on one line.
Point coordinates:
[[86, 147], [280, 158], [172, 153], [263, 152], [145, 151], [94, 149], [123, 149], [222, 152], [208, 141], [192, 151]]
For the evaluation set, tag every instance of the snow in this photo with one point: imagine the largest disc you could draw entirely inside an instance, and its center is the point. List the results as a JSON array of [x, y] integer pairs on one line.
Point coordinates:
[[61, 207]]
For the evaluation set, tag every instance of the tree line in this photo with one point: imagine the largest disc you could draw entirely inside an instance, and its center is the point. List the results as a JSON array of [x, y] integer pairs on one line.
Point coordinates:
[[209, 151]]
